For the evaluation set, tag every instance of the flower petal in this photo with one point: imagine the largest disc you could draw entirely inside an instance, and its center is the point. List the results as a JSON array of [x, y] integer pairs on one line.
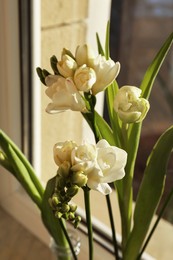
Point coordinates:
[[106, 72], [95, 184], [64, 96]]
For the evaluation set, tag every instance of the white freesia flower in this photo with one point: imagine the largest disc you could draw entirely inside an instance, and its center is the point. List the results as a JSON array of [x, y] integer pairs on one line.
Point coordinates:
[[84, 55], [129, 106], [64, 95], [94, 182], [62, 151], [66, 66], [102, 164], [84, 78], [84, 158], [111, 161], [106, 71]]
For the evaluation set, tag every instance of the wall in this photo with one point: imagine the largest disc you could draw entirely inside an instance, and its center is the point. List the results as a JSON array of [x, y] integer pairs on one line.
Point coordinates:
[[63, 24]]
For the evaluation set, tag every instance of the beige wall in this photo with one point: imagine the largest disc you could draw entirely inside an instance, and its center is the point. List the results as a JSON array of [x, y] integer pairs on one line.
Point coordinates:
[[63, 24]]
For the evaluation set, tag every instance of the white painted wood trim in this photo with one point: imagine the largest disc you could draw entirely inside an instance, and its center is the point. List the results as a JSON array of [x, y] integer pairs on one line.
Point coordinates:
[[98, 16], [36, 62], [12, 197], [10, 81]]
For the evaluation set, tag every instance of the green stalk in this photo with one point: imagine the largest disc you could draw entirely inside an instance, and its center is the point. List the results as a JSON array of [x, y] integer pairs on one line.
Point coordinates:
[[131, 137], [88, 219], [91, 119], [69, 241], [125, 203], [115, 244]]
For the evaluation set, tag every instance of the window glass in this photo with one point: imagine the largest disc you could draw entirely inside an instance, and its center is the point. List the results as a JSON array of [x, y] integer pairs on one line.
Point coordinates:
[[138, 31]]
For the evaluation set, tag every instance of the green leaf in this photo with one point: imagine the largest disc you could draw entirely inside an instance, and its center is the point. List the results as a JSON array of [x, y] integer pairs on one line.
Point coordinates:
[[150, 192], [154, 68], [99, 46], [18, 169], [107, 51], [134, 130], [104, 129], [4, 141], [114, 120]]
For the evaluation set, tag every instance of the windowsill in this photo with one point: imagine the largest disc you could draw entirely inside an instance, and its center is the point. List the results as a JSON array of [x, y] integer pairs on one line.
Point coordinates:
[[160, 246], [99, 251]]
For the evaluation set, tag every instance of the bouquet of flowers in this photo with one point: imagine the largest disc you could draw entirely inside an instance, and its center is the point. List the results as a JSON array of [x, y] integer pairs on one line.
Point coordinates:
[[74, 83]]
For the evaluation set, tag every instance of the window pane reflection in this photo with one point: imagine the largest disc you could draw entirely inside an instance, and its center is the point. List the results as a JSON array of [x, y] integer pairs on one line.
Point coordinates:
[[138, 30]]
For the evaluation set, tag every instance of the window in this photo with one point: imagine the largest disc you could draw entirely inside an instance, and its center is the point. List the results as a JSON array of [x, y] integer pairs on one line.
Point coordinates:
[[41, 35]]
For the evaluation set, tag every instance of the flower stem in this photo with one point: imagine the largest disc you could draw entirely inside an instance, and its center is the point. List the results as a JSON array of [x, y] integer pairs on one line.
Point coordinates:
[[68, 239], [88, 219], [127, 194], [112, 227]]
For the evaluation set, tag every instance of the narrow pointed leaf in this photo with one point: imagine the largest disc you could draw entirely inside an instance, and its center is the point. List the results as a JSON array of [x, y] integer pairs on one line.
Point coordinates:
[[107, 51], [104, 129], [99, 46], [154, 68], [4, 140], [150, 192], [114, 120], [19, 170]]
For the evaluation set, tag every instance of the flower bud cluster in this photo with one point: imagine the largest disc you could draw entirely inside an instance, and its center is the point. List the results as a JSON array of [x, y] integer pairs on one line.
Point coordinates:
[[75, 75], [65, 190]]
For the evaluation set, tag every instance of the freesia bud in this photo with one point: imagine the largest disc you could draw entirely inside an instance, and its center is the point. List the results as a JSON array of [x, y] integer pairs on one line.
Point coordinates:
[[129, 106], [55, 199], [77, 221], [106, 71], [73, 207], [84, 55], [71, 216], [79, 178], [66, 66], [84, 78], [58, 214], [72, 191], [67, 52], [65, 208], [62, 152]]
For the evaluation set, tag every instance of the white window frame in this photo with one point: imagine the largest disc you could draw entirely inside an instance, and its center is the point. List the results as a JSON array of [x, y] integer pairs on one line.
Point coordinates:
[[12, 198]]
